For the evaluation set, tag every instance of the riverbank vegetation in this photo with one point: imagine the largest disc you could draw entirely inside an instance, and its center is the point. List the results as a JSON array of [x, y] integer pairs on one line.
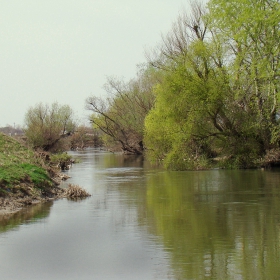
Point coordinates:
[[28, 176], [219, 99], [55, 129], [75, 192], [121, 115], [46, 126], [209, 95], [24, 176]]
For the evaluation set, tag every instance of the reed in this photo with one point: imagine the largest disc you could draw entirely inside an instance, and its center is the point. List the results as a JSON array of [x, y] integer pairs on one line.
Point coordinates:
[[75, 191]]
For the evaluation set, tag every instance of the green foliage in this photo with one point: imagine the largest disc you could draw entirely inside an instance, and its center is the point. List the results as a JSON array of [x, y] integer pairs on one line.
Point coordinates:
[[121, 115], [218, 99], [185, 158], [250, 32], [56, 158]]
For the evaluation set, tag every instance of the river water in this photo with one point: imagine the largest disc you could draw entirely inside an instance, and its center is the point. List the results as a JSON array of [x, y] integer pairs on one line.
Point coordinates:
[[146, 223]]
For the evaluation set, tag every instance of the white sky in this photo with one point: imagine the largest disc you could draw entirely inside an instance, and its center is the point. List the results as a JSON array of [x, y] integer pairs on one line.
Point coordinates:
[[63, 50]]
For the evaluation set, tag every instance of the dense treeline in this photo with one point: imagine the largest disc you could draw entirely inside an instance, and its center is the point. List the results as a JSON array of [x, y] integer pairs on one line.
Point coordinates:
[[210, 94]]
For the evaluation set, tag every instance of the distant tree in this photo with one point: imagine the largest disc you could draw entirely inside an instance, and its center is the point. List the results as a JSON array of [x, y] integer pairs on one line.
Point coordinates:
[[47, 125], [14, 130], [85, 136]]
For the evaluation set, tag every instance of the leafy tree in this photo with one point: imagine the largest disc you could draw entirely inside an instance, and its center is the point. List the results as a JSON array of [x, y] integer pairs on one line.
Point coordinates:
[[47, 125], [190, 102], [219, 95], [250, 32], [121, 115]]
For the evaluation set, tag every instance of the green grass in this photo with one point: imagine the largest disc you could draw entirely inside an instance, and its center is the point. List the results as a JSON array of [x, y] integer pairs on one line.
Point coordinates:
[[28, 173], [13, 152], [56, 158], [19, 165]]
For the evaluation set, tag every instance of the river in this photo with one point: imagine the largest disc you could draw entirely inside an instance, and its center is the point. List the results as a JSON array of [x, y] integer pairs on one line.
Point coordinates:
[[145, 223]]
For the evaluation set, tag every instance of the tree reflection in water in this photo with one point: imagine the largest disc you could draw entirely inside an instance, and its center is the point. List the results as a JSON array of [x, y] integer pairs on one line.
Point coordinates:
[[30, 214], [217, 224]]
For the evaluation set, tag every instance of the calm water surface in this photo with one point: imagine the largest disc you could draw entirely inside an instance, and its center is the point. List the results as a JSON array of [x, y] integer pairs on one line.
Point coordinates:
[[146, 223]]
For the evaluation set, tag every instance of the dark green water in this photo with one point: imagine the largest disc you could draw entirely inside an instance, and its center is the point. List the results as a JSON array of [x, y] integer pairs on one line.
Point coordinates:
[[146, 223]]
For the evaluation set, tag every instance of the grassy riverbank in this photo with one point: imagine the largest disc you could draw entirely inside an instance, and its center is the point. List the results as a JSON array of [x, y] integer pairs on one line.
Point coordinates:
[[25, 178]]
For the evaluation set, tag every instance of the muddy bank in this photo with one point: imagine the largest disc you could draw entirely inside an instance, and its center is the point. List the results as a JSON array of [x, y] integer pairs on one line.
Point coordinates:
[[27, 194], [12, 203], [28, 177], [15, 202]]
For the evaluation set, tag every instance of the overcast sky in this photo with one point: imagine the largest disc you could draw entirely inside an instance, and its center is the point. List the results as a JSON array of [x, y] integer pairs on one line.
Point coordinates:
[[63, 50]]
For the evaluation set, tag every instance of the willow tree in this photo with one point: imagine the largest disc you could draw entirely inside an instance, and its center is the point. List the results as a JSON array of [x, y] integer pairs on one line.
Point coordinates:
[[250, 31], [121, 115], [47, 125], [191, 109], [219, 95]]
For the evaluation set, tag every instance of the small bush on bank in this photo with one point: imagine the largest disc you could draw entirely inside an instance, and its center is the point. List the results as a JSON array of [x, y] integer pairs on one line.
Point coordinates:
[[62, 160], [57, 158]]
